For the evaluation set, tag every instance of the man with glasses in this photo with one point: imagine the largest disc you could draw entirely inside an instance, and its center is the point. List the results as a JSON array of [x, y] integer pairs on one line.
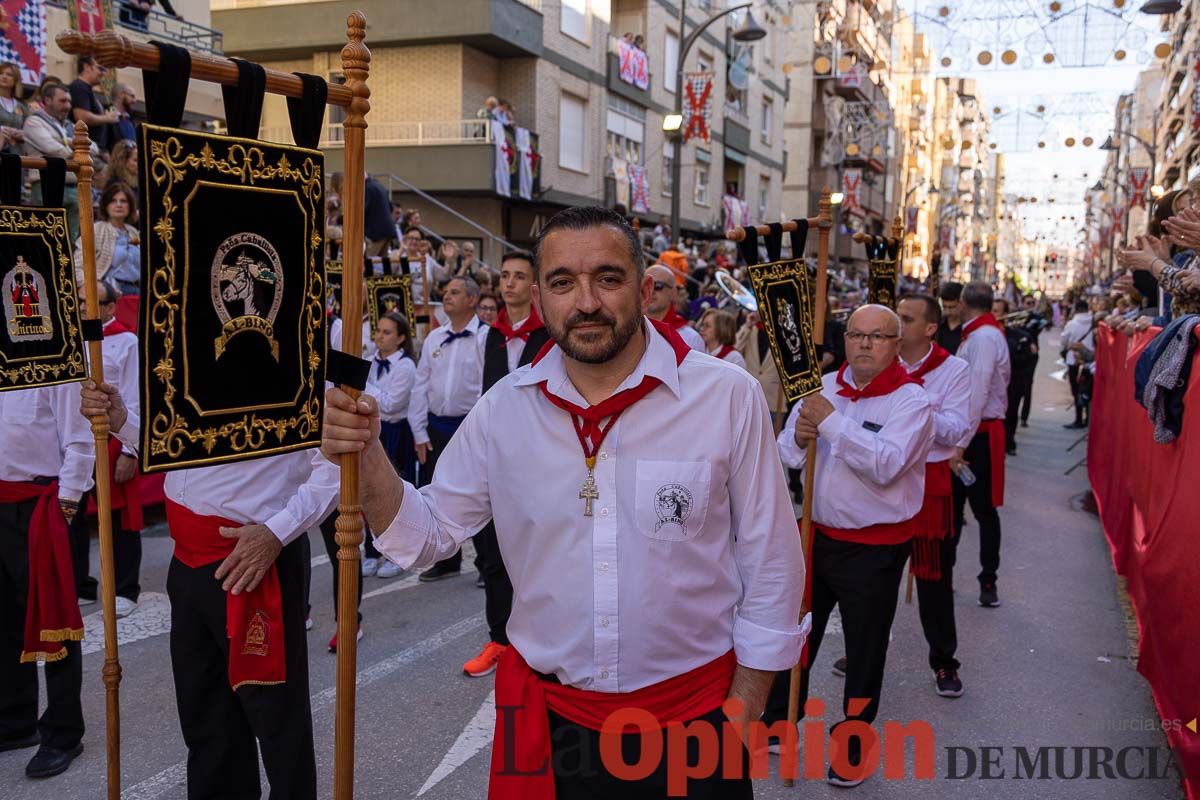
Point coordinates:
[[873, 426], [662, 307]]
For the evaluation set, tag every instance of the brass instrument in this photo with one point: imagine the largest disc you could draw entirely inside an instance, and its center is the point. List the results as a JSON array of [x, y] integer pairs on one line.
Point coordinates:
[[736, 291]]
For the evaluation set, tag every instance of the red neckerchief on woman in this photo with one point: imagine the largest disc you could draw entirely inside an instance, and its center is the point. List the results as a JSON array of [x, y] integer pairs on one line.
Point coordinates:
[[115, 326], [673, 319], [935, 359], [886, 382], [587, 421], [982, 321], [532, 323], [725, 350]]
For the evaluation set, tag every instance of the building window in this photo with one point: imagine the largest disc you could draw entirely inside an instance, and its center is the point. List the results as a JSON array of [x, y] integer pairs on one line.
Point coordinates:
[[574, 19], [668, 177], [626, 130], [703, 167], [768, 117], [670, 61], [764, 195], [572, 113]]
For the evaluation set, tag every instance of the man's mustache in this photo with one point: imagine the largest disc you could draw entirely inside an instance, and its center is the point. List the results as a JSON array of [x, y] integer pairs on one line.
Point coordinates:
[[577, 319]]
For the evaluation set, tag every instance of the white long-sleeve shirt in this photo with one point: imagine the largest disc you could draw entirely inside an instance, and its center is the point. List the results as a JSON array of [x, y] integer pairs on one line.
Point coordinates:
[[949, 389], [368, 343], [43, 435], [392, 388], [870, 456], [691, 548], [449, 377], [1080, 329], [692, 337], [986, 351], [120, 355]]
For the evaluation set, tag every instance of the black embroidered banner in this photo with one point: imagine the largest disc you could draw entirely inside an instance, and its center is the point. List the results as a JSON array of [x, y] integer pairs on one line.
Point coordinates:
[[882, 256], [390, 293], [41, 341], [784, 290], [333, 289], [232, 325]]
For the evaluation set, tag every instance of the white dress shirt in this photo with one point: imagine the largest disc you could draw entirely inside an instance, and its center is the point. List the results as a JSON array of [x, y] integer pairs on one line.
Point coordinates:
[[514, 347], [43, 435], [986, 352], [393, 388], [449, 377], [1079, 329], [866, 477], [368, 342], [692, 338], [289, 492], [949, 390], [120, 355], [691, 549], [733, 357]]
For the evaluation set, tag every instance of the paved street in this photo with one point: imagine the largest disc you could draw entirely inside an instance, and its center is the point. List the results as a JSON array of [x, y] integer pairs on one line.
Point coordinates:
[[1051, 667]]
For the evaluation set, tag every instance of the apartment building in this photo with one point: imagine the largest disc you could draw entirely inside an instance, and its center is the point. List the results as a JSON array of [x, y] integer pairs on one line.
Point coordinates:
[[1178, 128], [559, 64]]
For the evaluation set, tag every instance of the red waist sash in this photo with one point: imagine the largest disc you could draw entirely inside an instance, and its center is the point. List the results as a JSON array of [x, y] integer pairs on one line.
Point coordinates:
[[124, 496], [521, 756], [933, 522], [253, 620], [881, 533], [994, 428], [51, 606]]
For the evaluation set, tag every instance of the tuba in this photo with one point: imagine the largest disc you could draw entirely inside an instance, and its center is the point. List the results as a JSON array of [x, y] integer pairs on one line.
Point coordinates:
[[735, 291]]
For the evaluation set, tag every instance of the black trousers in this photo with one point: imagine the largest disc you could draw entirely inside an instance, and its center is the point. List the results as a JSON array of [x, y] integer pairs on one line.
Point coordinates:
[[1026, 397], [1073, 380], [979, 495], [224, 729], [127, 555], [438, 440], [1020, 386], [61, 725], [935, 604], [579, 772], [863, 580], [497, 588]]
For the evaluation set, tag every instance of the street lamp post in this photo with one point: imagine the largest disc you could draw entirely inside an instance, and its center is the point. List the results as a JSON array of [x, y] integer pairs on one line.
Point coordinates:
[[750, 31]]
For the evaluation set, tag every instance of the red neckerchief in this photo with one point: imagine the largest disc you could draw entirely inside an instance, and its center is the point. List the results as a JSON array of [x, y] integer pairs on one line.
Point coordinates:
[[587, 420], [936, 357], [673, 319], [724, 351], [885, 382], [116, 326], [987, 320], [532, 323]]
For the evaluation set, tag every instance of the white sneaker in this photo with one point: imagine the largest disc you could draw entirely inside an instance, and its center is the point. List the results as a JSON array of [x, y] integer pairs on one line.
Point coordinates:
[[125, 606], [308, 623], [388, 569], [370, 566]]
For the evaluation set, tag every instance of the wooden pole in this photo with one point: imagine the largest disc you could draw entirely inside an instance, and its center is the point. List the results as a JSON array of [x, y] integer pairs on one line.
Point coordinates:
[[356, 64], [908, 591], [824, 225], [737, 234], [898, 236], [100, 431]]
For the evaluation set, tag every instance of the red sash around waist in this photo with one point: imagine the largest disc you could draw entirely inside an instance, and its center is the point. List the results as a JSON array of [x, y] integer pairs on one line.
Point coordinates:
[[253, 620], [51, 606], [933, 522], [521, 756], [994, 428], [124, 496], [881, 533]]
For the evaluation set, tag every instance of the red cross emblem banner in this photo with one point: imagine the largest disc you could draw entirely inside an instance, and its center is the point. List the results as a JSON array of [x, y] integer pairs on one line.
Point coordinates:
[[851, 185], [90, 16], [23, 38], [1196, 94], [1139, 178], [639, 189], [697, 106]]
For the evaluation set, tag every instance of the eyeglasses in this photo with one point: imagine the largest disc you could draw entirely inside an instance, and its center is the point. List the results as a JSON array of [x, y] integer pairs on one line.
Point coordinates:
[[660, 285], [874, 338]]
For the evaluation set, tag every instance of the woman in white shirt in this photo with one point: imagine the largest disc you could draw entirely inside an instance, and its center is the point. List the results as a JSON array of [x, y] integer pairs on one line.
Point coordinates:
[[718, 329], [393, 373]]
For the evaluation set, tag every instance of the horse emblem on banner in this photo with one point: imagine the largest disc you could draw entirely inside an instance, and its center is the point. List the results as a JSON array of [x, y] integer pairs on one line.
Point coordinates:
[[247, 288], [788, 327], [24, 289]]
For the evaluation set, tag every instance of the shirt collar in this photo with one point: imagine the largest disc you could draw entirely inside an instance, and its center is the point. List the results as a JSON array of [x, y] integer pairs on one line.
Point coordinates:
[[472, 326], [916, 364], [657, 362]]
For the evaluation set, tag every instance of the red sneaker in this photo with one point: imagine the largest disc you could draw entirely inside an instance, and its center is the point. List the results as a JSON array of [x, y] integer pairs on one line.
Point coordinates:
[[333, 639], [485, 662]]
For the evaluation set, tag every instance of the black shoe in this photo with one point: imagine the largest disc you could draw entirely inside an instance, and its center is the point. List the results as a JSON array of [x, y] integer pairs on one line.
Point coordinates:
[[479, 582], [20, 742], [988, 598], [1075, 426], [1024, 423], [1012, 451], [833, 779], [50, 761], [839, 667], [948, 683], [437, 572], [853, 758]]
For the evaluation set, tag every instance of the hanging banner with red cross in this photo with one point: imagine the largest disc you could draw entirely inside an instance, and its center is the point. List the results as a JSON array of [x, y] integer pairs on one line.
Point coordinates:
[[90, 16], [23, 40], [1196, 93], [697, 107], [639, 190], [851, 183], [1139, 180]]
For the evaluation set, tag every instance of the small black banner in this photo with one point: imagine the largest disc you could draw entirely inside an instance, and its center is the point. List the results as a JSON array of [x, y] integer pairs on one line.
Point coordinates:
[[41, 341], [882, 256], [333, 288], [390, 293], [232, 325], [784, 290]]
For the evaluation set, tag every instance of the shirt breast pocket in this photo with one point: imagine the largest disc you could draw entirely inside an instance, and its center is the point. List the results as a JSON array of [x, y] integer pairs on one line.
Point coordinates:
[[672, 499], [18, 411]]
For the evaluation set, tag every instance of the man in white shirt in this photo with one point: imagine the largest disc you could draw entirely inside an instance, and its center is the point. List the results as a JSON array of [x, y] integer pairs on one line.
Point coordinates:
[[46, 468], [120, 353], [985, 348], [449, 382], [598, 523], [873, 427], [239, 654], [1078, 334], [662, 307], [947, 382]]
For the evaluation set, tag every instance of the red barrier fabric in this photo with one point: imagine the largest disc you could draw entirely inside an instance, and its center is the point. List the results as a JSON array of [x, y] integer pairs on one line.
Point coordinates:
[[1150, 509]]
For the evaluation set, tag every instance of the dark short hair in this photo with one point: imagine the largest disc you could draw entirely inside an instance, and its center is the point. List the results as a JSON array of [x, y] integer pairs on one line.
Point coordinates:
[[1002, 300], [978, 295], [111, 292], [582, 218], [83, 61], [933, 311], [1081, 305], [47, 91], [951, 291], [513, 255]]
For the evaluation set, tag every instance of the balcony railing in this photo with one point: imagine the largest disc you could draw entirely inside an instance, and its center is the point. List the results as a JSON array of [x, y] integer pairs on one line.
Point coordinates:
[[158, 25], [399, 134]]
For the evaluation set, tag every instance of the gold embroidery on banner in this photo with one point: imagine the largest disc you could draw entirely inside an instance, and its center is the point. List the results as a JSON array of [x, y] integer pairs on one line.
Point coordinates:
[[257, 639], [794, 322], [390, 291], [167, 434]]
